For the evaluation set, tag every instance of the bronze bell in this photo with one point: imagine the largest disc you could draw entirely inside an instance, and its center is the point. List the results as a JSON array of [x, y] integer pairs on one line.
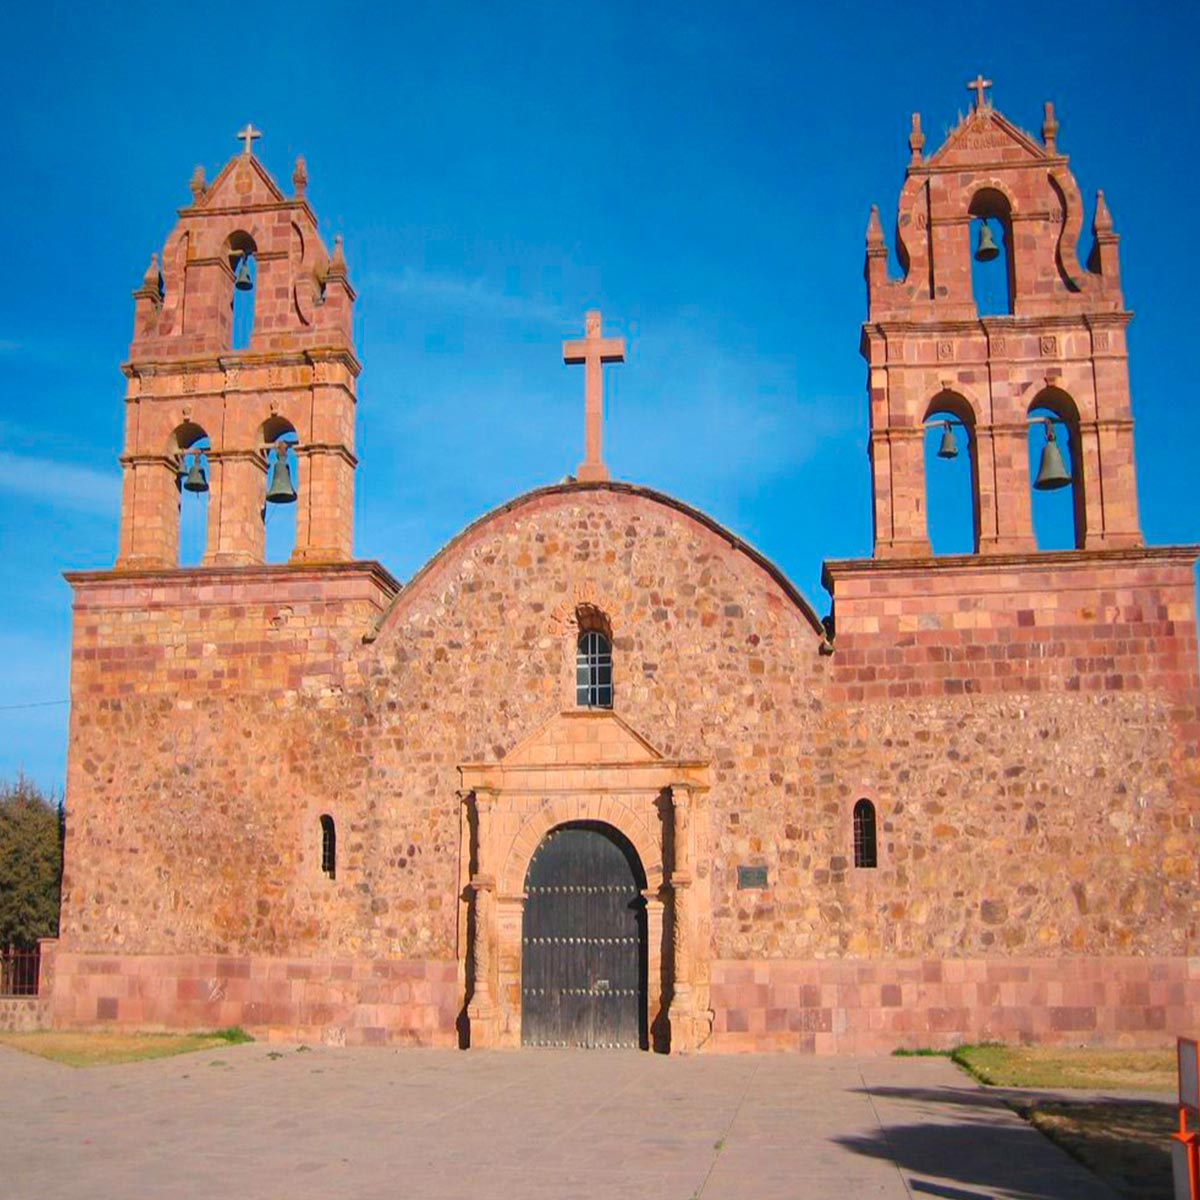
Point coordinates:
[[987, 249], [195, 480], [241, 277], [949, 447], [1052, 473], [280, 489]]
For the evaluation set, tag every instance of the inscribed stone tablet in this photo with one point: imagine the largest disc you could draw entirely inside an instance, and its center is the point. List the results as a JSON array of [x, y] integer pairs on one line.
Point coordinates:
[[752, 877]]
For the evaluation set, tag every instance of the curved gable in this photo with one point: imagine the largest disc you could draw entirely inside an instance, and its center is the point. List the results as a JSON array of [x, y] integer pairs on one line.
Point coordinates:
[[554, 496]]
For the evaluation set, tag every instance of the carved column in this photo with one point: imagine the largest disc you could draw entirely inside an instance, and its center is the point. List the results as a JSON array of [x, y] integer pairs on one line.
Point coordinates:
[[481, 1009], [656, 1000], [682, 1010]]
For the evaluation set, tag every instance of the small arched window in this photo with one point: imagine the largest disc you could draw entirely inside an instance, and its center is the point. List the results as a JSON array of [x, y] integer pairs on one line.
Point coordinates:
[[593, 670], [864, 834], [328, 847]]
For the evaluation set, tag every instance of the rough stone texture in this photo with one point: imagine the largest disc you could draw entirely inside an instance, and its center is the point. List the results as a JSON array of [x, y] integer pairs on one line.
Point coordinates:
[[1025, 725], [23, 1014]]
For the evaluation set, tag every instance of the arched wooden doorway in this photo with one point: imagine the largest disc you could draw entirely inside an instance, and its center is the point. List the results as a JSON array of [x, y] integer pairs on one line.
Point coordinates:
[[583, 941]]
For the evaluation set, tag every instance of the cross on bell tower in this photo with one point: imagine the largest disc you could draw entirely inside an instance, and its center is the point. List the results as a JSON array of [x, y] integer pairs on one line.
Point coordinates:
[[593, 350]]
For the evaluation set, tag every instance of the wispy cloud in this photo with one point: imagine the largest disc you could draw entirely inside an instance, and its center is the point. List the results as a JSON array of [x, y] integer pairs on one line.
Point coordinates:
[[462, 296], [8, 346], [59, 484]]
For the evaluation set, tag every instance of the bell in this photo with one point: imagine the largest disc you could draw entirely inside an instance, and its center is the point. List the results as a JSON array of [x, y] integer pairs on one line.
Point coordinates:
[[241, 278], [280, 489], [1052, 473], [987, 249], [949, 447], [195, 480]]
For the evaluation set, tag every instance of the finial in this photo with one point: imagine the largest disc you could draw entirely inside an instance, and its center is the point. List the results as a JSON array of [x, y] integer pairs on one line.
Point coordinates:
[[1049, 127], [198, 184], [1103, 221], [300, 176], [874, 228], [151, 288], [248, 136], [979, 86], [337, 264], [916, 139]]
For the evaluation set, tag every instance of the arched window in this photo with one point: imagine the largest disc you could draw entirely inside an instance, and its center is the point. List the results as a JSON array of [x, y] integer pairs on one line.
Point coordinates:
[[593, 670], [992, 278], [328, 847], [864, 834], [951, 475]]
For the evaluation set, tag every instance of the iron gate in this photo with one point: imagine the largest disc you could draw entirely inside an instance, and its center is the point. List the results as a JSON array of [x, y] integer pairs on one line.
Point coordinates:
[[583, 952]]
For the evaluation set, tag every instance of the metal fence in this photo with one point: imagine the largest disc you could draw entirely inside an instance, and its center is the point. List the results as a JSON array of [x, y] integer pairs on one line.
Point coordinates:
[[19, 971]]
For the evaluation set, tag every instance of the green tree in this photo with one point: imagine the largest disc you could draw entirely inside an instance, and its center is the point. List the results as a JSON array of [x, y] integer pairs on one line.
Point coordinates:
[[31, 843]]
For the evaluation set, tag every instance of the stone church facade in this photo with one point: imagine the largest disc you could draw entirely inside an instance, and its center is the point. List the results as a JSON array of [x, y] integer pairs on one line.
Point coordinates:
[[311, 801]]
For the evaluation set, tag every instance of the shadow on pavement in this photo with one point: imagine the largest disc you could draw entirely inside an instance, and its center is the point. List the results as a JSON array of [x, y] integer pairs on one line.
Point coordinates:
[[966, 1153]]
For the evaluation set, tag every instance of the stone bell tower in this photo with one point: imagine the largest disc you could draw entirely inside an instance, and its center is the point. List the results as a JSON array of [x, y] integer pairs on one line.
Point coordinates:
[[1060, 347], [188, 389]]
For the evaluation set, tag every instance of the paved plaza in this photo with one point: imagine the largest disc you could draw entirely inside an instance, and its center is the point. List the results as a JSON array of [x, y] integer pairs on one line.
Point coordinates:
[[259, 1121]]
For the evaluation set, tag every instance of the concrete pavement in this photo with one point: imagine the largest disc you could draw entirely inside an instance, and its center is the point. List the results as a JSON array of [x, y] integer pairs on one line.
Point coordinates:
[[260, 1122]]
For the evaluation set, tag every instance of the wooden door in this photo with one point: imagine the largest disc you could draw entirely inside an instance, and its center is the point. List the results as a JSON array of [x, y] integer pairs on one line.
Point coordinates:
[[583, 954]]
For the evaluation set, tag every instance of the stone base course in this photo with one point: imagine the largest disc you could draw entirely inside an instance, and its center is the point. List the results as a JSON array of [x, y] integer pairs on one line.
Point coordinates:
[[335, 1001], [23, 1014], [829, 1007]]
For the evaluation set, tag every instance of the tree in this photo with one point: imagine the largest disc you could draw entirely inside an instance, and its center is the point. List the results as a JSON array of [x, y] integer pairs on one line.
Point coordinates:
[[30, 863]]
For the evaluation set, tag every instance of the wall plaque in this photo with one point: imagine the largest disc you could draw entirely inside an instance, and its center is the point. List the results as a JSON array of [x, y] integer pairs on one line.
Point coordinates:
[[752, 877]]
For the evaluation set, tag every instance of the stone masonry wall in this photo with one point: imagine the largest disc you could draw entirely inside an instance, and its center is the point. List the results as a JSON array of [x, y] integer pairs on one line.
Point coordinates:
[[216, 716]]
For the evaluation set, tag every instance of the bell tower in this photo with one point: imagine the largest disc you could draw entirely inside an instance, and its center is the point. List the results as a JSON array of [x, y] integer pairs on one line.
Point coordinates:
[[1056, 346], [211, 417]]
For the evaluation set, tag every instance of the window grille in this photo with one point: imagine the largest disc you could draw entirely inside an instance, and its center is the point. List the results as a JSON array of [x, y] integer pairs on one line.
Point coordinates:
[[328, 847], [593, 671], [864, 834]]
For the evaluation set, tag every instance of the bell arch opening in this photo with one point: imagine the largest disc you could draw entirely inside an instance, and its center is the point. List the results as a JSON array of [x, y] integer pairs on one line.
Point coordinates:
[[584, 943], [993, 274], [279, 440], [189, 445], [1055, 461], [243, 262], [951, 475]]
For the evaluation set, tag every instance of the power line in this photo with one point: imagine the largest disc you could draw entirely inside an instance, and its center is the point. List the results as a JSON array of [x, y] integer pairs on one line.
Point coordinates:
[[39, 704]]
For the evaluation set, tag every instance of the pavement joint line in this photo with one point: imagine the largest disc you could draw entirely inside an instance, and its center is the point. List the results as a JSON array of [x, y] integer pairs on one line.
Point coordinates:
[[635, 1077], [887, 1137], [720, 1143]]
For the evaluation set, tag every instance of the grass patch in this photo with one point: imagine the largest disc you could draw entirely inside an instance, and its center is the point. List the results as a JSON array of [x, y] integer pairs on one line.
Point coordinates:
[[1127, 1143], [1069, 1067], [91, 1049], [923, 1052]]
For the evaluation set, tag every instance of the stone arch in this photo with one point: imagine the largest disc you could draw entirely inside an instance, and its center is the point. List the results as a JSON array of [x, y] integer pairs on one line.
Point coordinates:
[[563, 810], [1061, 405], [955, 404], [189, 446], [988, 201]]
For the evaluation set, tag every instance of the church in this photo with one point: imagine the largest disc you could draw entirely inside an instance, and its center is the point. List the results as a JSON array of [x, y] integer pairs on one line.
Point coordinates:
[[598, 774]]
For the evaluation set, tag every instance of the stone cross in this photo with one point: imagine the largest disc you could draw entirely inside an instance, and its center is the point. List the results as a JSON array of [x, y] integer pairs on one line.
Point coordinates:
[[248, 136], [593, 350], [979, 85]]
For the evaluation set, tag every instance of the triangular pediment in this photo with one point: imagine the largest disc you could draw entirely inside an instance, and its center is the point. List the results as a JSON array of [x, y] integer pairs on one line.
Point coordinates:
[[987, 136], [242, 183], [587, 737]]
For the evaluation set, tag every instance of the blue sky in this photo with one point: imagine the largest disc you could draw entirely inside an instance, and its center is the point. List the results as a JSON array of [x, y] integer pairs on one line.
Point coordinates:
[[701, 173]]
